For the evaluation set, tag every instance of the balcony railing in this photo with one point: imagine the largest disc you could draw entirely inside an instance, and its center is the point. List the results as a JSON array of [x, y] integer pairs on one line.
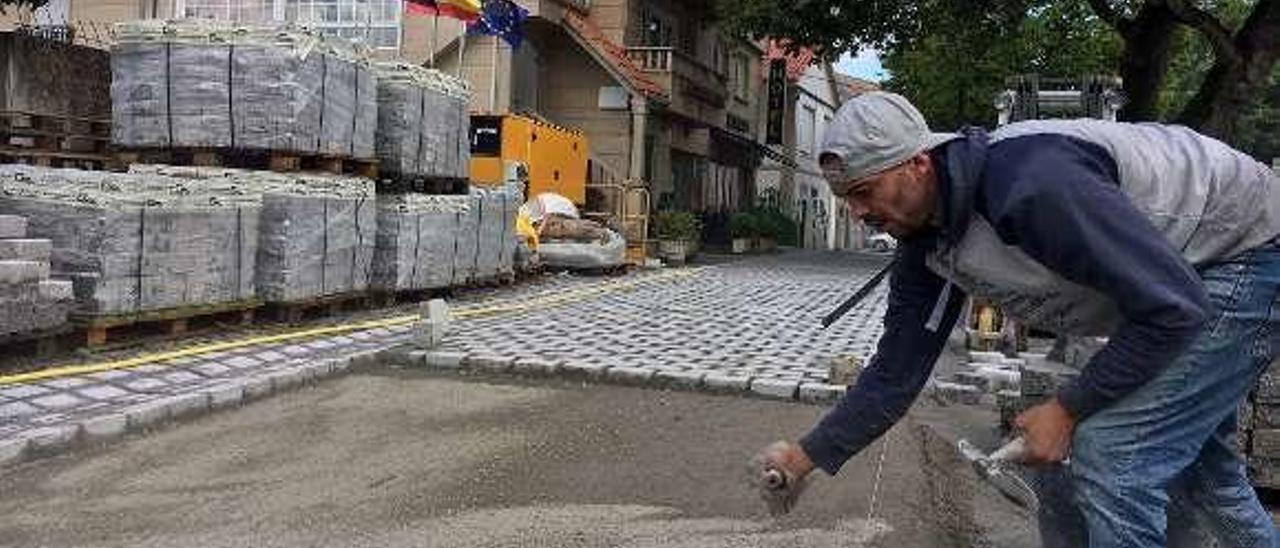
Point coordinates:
[[677, 70]]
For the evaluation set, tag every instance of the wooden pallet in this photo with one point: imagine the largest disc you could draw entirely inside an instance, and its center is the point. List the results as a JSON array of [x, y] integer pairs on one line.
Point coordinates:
[[269, 160], [102, 329], [328, 305], [54, 141], [391, 183], [54, 133]]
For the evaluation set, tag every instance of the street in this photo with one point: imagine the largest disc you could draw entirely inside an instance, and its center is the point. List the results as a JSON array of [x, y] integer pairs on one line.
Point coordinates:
[[390, 457]]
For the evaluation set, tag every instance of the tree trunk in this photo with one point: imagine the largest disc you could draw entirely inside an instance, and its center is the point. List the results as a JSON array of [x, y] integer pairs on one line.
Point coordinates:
[[1148, 41], [1234, 82]]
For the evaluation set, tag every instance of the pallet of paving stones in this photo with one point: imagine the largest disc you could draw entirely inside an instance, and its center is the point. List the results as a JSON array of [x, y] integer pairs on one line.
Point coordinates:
[[327, 305], [241, 158], [100, 330]]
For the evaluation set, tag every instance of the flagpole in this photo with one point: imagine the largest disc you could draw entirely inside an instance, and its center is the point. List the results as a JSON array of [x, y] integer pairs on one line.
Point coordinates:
[[435, 28], [493, 79], [462, 45]]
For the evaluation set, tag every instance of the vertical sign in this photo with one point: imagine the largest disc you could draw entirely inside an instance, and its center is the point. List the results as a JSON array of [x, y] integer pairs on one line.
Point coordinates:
[[777, 101]]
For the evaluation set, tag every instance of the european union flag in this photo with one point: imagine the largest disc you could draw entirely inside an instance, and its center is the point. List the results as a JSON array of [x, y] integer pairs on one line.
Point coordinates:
[[501, 18]]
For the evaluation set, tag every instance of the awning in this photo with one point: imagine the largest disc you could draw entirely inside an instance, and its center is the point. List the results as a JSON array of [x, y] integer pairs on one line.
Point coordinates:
[[733, 149]]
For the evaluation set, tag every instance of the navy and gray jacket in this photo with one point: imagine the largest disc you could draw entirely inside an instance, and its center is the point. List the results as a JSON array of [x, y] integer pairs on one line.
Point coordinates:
[[1077, 227]]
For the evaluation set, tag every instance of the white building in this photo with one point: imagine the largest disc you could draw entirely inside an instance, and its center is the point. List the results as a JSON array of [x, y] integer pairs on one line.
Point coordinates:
[[824, 219]]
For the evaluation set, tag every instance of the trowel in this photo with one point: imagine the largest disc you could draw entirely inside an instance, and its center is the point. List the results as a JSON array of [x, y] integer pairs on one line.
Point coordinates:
[[998, 470]]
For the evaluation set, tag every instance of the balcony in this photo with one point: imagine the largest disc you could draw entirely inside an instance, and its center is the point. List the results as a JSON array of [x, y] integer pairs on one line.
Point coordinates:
[[683, 77]]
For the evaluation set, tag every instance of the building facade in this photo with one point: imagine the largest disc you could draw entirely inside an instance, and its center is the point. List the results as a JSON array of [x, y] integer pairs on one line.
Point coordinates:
[[664, 97]]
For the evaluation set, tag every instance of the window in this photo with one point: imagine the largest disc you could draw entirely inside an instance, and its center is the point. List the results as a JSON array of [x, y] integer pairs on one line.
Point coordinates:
[[820, 132], [804, 130], [740, 76], [373, 22]]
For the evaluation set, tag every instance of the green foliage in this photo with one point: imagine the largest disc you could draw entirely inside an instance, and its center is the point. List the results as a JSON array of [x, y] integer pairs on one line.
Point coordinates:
[[743, 225], [21, 4], [677, 225], [771, 222], [951, 56], [1054, 38]]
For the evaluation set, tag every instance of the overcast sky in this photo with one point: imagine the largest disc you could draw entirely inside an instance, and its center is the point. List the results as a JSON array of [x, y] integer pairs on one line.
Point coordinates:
[[865, 65]]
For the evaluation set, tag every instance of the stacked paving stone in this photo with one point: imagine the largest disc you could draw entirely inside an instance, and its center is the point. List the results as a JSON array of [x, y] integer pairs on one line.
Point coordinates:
[[30, 302], [199, 83], [316, 231], [422, 122], [417, 240], [137, 242]]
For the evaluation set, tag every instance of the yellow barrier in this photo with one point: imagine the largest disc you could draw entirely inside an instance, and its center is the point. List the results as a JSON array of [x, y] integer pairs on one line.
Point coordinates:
[[548, 298]]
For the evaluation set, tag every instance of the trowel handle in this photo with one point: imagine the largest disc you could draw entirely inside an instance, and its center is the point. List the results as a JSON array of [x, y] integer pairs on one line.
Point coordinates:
[[1014, 451]]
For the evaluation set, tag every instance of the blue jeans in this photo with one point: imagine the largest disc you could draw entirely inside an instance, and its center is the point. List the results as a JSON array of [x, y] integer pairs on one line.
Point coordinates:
[[1169, 449]]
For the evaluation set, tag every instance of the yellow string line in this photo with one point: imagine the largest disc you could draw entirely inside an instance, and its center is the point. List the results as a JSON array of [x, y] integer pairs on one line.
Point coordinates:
[[548, 298]]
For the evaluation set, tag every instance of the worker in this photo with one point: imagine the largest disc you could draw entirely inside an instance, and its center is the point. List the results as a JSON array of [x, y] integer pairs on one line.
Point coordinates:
[[1158, 237]]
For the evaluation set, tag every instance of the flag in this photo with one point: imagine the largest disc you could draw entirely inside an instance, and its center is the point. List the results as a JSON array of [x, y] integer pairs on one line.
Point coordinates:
[[502, 18], [466, 10], [422, 7]]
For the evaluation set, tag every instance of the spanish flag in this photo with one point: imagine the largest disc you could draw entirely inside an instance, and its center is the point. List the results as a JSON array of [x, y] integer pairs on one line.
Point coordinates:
[[466, 10]]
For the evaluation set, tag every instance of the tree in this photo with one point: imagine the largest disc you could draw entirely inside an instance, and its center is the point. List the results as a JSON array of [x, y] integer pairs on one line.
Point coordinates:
[[1051, 38], [1243, 36], [21, 4]]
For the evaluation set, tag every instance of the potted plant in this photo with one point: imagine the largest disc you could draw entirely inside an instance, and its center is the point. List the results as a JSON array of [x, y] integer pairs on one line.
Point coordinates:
[[774, 227], [678, 235], [743, 227]]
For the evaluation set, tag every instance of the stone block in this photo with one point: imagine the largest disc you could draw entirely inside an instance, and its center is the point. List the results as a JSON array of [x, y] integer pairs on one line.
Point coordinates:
[[1266, 443], [584, 370], [18, 272], [146, 414], [679, 379], [720, 382], [490, 363], [363, 359], [952, 393], [255, 388], [286, 379], [223, 396], [21, 391], [104, 427], [13, 449], [241, 362], [22, 249], [972, 378], [430, 331], [821, 392], [1264, 472], [537, 367], [631, 376], [52, 438], [17, 409], [57, 402], [782, 389], [13, 226], [443, 360], [1038, 380], [977, 357]]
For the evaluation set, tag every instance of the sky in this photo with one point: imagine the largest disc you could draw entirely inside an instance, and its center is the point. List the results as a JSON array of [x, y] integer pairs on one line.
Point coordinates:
[[865, 65]]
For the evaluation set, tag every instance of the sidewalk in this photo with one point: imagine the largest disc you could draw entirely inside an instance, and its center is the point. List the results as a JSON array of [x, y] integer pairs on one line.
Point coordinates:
[[748, 326]]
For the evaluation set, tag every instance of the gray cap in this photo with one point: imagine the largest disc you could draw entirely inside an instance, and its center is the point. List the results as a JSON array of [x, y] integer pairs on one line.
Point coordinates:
[[873, 132]]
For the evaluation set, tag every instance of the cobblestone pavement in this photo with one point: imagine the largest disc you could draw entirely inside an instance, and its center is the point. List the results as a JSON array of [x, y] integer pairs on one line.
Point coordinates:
[[748, 326]]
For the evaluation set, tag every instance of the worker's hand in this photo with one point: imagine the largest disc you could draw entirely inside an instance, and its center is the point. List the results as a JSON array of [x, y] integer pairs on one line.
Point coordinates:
[[1047, 429], [789, 460]]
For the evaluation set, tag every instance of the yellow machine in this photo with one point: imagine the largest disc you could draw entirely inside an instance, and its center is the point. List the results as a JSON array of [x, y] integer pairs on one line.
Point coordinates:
[[556, 157]]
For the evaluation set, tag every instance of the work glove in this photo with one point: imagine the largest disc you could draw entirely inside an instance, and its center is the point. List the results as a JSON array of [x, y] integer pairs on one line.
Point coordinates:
[[778, 487]]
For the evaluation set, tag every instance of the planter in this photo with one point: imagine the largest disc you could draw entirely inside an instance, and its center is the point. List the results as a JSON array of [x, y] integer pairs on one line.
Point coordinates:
[[766, 244], [741, 245], [675, 251]]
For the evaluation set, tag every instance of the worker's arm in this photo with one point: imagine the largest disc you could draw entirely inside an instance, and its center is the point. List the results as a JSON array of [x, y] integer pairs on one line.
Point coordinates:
[[1059, 200], [902, 363]]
